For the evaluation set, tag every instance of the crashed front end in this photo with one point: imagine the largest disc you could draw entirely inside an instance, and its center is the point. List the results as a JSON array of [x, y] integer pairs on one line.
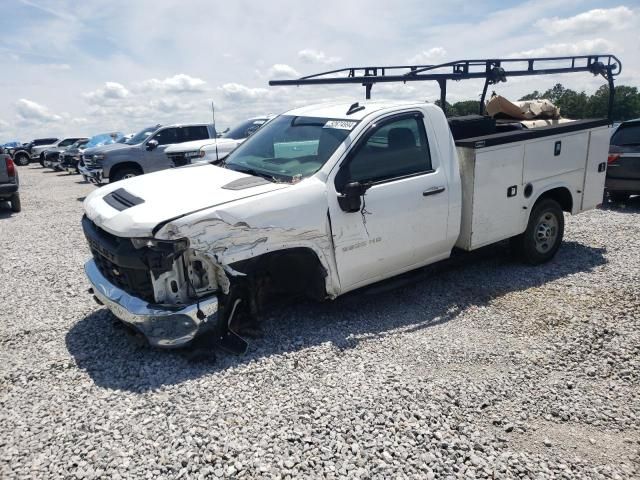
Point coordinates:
[[163, 289]]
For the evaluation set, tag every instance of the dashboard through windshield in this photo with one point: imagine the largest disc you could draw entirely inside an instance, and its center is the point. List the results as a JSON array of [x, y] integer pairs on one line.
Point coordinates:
[[290, 148]]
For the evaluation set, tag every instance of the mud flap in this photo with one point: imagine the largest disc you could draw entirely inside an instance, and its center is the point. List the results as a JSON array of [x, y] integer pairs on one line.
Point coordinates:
[[226, 338]]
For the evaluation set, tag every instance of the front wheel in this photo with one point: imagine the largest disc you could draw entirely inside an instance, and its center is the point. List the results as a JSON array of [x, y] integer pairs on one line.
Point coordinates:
[[543, 236], [22, 160], [124, 173]]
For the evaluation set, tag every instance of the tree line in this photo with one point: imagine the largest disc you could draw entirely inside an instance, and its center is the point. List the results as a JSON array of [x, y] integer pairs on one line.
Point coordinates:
[[574, 105]]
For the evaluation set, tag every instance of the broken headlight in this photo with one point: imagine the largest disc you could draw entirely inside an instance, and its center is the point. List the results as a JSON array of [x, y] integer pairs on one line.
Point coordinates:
[[169, 246]]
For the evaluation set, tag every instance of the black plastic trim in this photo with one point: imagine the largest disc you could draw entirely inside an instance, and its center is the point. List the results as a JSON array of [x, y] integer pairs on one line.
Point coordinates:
[[521, 135]]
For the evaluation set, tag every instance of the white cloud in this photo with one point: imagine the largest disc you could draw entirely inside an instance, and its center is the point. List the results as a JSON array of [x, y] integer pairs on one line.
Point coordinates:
[[170, 104], [110, 91], [29, 111], [179, 83], [280, 70], [57, 66], [582, 47], [597, 20], [309, 55], [428, 56], [241, 93]]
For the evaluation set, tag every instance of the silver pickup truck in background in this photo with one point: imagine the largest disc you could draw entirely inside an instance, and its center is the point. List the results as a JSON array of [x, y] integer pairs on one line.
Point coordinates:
[[143, 153]]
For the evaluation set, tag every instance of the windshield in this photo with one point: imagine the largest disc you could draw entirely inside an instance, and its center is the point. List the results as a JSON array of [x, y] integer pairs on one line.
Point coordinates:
[[290, 148], [245, 129], [102, 139], [142, 135]]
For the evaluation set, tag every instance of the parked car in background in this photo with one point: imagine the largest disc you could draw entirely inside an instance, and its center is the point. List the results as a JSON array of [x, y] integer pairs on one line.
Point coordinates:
[[623, 169], [214, 149], [127, 137], [52, 157], [143, 153], [71, 159], [9, 182], [38, 152], [23, 155]]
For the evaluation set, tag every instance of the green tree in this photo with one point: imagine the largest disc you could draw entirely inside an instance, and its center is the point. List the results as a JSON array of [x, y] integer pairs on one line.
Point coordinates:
[[466, 107], [532, 96], [580, 105]]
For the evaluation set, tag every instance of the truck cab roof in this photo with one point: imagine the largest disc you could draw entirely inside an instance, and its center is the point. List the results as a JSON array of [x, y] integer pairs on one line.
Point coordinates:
[[351, 111]]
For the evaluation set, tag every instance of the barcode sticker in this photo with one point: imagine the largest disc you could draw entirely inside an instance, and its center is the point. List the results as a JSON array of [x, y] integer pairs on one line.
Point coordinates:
[[340, 124]]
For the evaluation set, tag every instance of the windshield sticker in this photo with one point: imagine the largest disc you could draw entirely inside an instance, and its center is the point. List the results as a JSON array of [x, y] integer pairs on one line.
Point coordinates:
[[340, 124]]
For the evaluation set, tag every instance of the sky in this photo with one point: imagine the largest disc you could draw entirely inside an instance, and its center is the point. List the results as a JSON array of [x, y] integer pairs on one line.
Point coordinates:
[[78, 68]]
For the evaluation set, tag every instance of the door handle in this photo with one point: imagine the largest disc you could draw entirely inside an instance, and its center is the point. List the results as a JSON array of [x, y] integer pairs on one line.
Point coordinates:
[[433, 191]]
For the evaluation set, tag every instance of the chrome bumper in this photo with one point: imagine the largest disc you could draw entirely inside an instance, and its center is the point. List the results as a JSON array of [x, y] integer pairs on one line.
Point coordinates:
[[91, 175], [162, 326]]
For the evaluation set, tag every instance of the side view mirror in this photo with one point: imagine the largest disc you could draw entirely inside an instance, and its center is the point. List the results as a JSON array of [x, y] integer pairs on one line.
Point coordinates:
[[350, 199], [152, 145]]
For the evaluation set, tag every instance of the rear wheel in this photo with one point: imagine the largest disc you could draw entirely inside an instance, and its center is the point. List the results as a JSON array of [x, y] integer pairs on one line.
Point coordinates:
[[124, 173], [543, 236], [16, 206], [21, 159]]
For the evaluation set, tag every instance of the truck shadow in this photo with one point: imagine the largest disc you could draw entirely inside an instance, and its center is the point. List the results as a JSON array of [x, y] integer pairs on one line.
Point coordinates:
[[422, 299]]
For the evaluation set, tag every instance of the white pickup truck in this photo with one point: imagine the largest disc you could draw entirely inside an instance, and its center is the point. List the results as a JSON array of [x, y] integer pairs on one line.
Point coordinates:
[[325, 199], [214, 149]]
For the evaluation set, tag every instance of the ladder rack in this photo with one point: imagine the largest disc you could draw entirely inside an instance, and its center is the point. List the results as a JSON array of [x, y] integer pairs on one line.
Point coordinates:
[[492, 70]]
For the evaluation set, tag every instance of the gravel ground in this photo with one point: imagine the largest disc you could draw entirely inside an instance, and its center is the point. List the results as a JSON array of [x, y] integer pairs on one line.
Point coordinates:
[[479, 368]]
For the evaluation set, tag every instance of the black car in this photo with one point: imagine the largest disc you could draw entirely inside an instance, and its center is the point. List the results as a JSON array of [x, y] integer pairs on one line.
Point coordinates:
[[69, 159], [623, 169], [22, 155]]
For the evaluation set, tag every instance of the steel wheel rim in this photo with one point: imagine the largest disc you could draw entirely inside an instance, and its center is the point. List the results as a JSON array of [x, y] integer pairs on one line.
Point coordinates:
[[545, 233]]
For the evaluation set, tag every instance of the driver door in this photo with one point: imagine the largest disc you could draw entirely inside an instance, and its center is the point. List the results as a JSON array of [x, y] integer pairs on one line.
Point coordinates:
[[155, 159], [402, 222]]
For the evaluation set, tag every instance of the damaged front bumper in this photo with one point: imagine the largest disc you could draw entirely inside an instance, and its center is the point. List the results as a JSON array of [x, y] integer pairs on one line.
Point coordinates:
[[92, 175], [162, 325]]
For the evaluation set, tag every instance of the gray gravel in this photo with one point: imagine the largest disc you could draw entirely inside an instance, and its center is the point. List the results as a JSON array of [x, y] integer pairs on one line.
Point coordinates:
[[481, 368]]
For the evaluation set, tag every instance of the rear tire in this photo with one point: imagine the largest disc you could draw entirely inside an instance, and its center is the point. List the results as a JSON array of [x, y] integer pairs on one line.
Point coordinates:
[[21, 160], [16, 206], [618, 197], [124, 173], [543, 236]]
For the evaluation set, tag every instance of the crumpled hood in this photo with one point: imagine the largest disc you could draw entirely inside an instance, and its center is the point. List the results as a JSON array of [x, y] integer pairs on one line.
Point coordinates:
[[198, 144], [167, 194]]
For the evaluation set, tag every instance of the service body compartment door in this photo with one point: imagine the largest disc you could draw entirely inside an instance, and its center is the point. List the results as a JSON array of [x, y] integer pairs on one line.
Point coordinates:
[[555, 155], [596, 169], [497, 207]]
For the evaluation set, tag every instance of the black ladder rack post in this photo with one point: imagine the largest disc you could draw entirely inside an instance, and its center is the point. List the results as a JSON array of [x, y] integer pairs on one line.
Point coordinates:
[[491, 70]]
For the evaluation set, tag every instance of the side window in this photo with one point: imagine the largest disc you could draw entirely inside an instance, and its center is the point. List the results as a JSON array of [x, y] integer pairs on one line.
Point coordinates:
[[166, 136], [627, 135], [67, 142], [395, 149], [187, 134]]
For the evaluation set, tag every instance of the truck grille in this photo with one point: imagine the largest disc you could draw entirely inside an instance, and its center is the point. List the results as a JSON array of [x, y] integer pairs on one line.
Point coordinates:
[[133, 281], [178, 159], [91, 162], [119, 262]]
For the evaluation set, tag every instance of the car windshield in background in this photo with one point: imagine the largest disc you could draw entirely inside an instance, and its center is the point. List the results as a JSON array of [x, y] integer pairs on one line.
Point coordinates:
[[102, 139], [290, 148], [142, 135], [245, 129]]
